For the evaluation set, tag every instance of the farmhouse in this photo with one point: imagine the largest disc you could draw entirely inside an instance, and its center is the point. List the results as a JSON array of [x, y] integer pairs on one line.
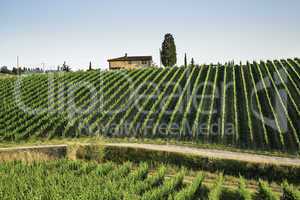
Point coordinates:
[[130, 62]]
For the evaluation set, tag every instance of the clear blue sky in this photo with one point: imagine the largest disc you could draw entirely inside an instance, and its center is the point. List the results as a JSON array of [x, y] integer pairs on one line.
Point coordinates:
[[79, 31]]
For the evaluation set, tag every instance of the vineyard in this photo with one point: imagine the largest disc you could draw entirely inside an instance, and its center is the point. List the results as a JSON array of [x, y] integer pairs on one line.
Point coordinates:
[[253, 106], [64, 179]]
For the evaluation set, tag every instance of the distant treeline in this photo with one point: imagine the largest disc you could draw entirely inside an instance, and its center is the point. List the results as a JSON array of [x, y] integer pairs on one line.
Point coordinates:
[[5, 70], [24, 70]]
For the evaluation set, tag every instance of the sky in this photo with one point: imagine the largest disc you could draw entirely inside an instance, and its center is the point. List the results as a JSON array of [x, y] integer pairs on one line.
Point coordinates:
[[210, 31]]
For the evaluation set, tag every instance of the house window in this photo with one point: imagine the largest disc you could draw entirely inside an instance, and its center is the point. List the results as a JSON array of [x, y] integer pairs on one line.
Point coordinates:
[[144, 62]]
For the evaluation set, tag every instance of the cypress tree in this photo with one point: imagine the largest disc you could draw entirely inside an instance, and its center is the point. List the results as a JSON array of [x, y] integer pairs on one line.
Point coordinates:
[[64, 67], [192, 62], [185, 60], [168, 51], [90, 66]]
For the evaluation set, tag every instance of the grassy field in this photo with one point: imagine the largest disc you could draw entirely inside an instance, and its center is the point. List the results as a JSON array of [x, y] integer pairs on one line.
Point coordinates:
[[64, 179], [4, 76], [253, 106]]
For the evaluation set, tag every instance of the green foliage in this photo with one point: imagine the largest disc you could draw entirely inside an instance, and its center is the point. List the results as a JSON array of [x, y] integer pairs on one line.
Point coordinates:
[[90, 66], [264, 192], [290, 192], [65, 67], [185, 60], [4, 70], [216, 191], [242, 192], [191, 191], [169, 187], [175, 105], [168, 51], [90, 152], [152, 181], [64, 179], [229, 167], [192, 62]]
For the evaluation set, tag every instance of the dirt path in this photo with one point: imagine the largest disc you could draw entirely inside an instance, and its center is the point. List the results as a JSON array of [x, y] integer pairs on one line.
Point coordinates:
[[211, 153]]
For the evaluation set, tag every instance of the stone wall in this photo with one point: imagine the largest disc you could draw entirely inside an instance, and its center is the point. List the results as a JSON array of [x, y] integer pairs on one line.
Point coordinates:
[[33, 153]]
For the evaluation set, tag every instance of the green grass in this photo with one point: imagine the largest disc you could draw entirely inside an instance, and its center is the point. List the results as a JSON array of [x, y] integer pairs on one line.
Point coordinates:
[[4, 76]]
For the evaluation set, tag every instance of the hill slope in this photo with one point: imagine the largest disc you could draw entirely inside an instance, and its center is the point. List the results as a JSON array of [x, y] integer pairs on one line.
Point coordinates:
[[254, 106]]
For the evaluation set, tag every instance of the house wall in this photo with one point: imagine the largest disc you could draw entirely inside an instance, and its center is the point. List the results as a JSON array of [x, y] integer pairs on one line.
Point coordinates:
[[128, 64]]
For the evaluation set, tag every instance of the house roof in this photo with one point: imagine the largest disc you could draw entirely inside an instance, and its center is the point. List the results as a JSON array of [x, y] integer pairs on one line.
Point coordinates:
[[131, 58]]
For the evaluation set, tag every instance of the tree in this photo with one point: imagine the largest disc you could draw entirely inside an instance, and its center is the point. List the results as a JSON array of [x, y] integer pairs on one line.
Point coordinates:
[[5, 70], [192, 62], [185, 60], [168, 52], [65, 67], [90, 66], [15, 70]]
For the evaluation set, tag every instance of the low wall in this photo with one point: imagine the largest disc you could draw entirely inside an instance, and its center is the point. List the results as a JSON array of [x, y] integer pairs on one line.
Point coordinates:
[[33, 153]]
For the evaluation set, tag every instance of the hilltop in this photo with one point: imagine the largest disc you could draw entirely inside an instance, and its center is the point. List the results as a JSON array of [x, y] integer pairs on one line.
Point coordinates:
[[253, 106]]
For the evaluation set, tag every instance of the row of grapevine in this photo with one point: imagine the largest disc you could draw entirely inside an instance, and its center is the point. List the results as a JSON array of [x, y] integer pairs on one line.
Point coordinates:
[[247, 125], [94, 106], [155, 107], [141, 114], [89, 104], [168, 102], [125, 100], [28, 118], [189, 110], [267, 99], [63, 179], [112, 94], [292, 135], [179, 104], [260, 123], [252, 106], [199, 109], [146, 88], [213, 110], [126, 105]]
